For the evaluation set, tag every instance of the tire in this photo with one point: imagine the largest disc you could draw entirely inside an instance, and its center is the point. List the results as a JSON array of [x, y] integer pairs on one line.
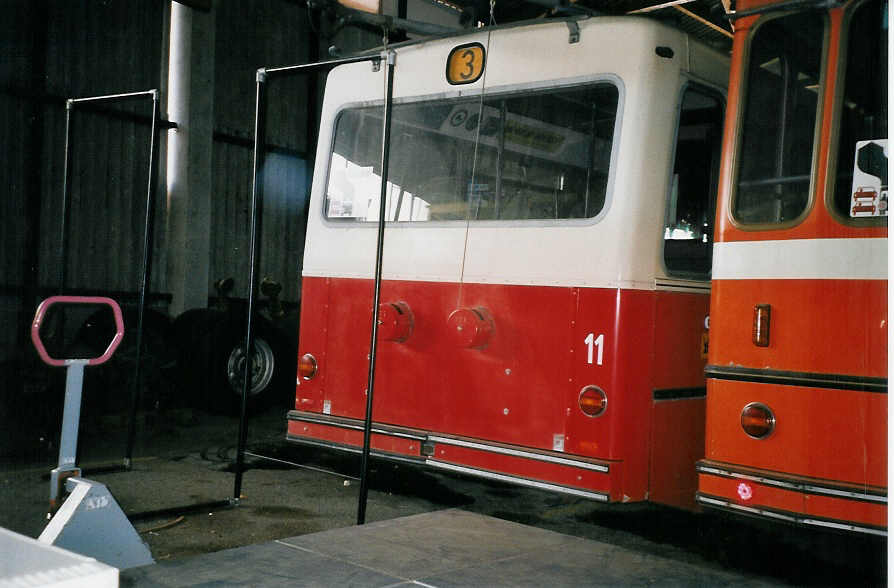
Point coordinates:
[[263, 368], [212, 362]]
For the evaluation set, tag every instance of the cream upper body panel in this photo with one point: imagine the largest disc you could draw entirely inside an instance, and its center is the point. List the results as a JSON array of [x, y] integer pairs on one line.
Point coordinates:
[[620, 247]]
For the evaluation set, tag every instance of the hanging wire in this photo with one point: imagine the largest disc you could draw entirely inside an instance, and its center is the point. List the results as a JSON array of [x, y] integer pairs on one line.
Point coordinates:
[[472, 188]]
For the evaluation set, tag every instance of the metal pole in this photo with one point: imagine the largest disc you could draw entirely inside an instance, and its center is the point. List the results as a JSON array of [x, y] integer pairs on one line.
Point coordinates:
[[310, 67], [257, 199], [389, 59], [66, 206], [111, 97], [66, 182], [146, 269]]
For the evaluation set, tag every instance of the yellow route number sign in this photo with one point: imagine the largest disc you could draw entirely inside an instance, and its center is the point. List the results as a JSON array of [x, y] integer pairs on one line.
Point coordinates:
[[465, 64]]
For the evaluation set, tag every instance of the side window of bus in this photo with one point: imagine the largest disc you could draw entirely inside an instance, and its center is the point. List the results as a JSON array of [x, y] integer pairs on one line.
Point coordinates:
[[778, 127], [535, 155], [861, 178], [689, 221]]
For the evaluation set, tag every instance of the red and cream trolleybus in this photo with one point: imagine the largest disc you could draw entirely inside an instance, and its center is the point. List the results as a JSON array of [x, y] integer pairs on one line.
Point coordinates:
[[797, 374], [546, 259]]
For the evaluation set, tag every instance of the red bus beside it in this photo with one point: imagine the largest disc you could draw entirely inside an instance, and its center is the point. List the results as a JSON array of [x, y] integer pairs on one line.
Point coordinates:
[[798, 364]]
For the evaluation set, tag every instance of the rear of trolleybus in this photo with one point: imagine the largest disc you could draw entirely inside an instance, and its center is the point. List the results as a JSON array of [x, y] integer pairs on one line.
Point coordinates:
[[546, 258], [797, 375]]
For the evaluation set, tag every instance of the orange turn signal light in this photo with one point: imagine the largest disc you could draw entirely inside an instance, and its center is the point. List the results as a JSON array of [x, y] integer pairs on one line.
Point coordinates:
[[760, 331], [307, 366]]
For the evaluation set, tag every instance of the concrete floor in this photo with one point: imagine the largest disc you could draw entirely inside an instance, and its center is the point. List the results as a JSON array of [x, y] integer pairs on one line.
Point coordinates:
[[186, 459], [446, 548]]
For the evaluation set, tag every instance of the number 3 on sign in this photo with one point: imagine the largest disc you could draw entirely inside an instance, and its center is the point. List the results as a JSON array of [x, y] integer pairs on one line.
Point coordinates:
[[597, 342]]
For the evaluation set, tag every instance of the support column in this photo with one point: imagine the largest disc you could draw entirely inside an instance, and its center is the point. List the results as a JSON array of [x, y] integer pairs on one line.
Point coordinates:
[[191, 106]]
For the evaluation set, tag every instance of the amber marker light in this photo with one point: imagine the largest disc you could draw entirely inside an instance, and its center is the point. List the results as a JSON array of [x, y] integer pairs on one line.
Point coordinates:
[[592, 401], [758, 421], [307, 366], [760, 332]]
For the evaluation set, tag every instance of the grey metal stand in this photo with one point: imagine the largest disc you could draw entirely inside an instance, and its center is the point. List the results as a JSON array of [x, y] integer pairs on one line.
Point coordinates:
[[89, 520]]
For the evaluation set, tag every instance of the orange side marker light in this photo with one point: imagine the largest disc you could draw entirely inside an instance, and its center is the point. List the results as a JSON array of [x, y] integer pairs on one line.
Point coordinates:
[[760, 332]]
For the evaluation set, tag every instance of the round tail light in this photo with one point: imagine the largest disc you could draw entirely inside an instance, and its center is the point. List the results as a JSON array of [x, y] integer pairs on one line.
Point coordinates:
[[307, 366], [758, 421], [592, 401]]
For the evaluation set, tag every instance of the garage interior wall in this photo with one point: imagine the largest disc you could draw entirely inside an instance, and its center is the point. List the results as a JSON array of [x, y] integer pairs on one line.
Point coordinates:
[[249, 35], [54, 50], [59, 49]]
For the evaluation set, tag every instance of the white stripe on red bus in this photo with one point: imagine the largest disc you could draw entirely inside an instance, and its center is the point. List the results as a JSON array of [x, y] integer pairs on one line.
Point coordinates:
[[796, 259]]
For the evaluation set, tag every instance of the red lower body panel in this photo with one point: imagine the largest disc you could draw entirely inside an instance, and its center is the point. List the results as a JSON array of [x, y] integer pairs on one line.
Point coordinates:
[[824, 462], [504, 366], [554, 471]]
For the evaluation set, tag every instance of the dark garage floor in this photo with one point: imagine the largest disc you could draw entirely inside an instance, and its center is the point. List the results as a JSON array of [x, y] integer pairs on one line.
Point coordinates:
[[299, 522]]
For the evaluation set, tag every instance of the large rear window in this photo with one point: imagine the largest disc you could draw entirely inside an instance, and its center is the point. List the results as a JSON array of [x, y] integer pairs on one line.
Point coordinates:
[[533, 155], [779, 126]]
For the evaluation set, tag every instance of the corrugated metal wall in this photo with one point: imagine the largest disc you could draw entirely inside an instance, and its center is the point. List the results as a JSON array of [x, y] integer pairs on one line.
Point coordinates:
[[63, 49], [14, 128], [98, 48], [250, 35], [58, 49]]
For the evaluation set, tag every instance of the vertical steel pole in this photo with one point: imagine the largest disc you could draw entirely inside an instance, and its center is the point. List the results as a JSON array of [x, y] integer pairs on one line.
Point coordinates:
[[257, 200], [388, 60], [66, 206], [144, 279]]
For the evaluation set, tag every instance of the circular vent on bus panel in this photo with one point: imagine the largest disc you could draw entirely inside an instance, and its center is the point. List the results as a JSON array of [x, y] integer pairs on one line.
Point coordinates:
[[470, 327], [395, 321]]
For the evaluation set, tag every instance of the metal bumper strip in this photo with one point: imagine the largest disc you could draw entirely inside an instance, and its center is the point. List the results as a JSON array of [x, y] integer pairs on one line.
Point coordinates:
[[601, 497], [804, 488], [352, 449], [596, 467], [721, 503], [344, 424], [479, 446]]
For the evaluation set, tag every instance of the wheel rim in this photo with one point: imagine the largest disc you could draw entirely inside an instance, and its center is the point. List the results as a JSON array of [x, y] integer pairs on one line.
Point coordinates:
[[262, 368]]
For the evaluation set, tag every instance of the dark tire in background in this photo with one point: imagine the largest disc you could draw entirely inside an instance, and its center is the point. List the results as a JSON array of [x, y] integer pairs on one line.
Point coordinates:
[[211, 361]]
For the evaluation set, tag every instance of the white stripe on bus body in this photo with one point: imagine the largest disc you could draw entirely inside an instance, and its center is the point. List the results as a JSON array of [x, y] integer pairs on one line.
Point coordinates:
[[799, 259]]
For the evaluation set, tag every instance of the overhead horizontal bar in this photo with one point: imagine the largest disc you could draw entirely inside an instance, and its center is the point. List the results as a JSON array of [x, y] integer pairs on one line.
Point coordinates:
[[145, 93]]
